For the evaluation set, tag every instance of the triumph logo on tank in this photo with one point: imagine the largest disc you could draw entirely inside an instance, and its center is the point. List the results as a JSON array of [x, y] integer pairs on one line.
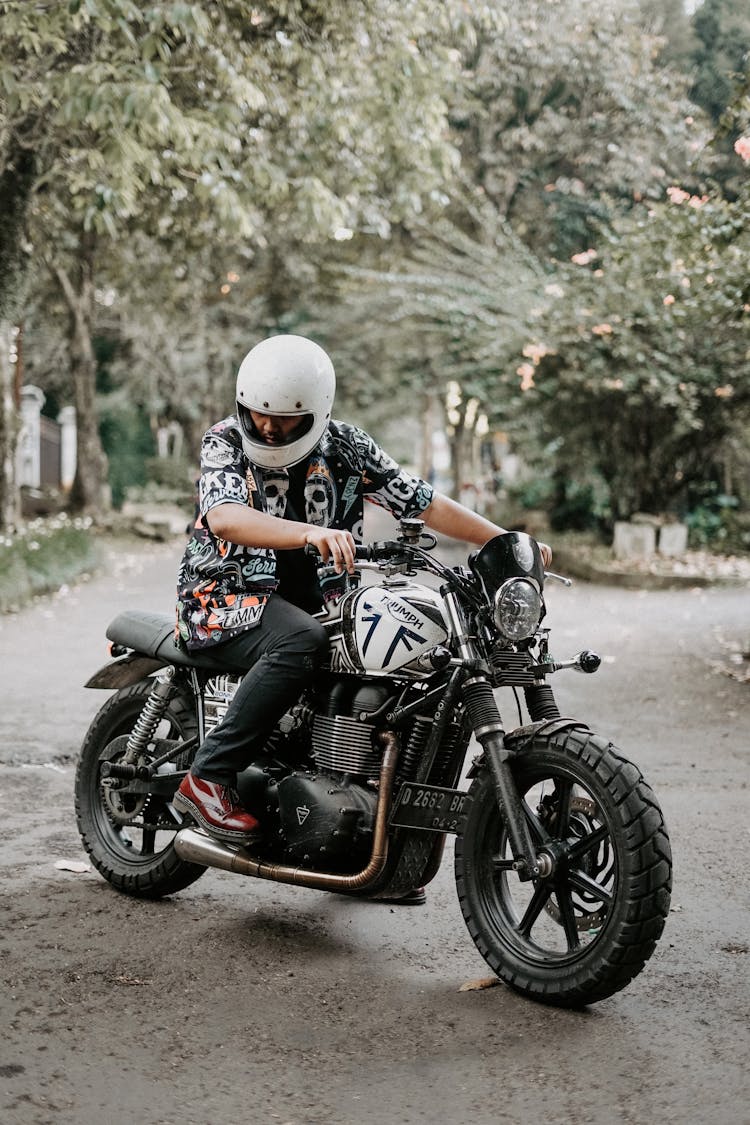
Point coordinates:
[[404, 613], [302, 813]]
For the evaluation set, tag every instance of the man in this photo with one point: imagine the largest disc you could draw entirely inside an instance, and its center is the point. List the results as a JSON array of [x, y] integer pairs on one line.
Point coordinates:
[[277, 476]]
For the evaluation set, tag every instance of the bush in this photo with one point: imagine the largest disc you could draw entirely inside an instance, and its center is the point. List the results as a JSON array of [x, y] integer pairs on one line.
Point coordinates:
[[128, 443], [42, 556], [719, 524], [570, 505], [172, 475]]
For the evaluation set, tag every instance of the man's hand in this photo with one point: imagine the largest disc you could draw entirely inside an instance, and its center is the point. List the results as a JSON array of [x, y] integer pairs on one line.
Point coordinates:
[[546, 553], [338, 546]]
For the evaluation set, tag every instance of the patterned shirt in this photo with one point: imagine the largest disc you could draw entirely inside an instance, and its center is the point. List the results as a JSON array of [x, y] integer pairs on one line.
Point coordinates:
[[223, 587]]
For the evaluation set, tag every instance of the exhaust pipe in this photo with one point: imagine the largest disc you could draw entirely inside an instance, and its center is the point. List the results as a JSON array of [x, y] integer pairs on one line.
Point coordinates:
[[197, 847]]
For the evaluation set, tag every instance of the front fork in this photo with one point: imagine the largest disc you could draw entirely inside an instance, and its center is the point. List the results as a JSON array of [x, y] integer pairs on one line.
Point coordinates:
[[488, 730]]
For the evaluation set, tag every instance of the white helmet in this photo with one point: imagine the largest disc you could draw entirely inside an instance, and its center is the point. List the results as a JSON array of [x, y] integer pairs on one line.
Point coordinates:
[[287, 375]]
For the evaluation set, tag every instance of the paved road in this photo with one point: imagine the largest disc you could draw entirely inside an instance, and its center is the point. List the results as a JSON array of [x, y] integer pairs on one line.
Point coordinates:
[[243, 1000]]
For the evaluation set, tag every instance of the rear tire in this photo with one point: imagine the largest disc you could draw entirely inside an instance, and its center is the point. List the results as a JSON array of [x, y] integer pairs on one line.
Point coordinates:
[[130, 839], [586, 930]]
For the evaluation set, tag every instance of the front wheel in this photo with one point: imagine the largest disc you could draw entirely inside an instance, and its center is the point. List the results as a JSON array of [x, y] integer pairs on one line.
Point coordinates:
[[130, 837], [587, 926]]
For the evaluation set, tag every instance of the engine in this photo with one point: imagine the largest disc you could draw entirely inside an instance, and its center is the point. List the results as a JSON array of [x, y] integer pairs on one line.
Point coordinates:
[[311, 788]]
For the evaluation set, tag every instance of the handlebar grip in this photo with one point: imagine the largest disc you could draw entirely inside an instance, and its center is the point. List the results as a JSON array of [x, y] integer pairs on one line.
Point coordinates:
[[362, 552]]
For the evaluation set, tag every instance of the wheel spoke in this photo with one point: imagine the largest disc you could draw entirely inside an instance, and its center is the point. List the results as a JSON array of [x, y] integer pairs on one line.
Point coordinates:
[[539, 900], [567, 911], [581, 847], [537, 828], [563, 791], [588, 886]]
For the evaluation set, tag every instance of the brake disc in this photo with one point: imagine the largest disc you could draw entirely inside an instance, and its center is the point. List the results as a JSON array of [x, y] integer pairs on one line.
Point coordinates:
[[583, 821]]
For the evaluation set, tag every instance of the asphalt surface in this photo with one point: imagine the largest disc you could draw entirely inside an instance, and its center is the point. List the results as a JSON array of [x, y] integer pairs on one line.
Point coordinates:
[[241, 1000]]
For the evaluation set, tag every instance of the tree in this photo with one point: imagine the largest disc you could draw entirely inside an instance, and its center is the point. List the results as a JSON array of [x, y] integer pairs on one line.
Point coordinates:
[[640, 371], [669, 22], [722, 31], [441, 325], [721, 71], [201, 123], [566, 114]]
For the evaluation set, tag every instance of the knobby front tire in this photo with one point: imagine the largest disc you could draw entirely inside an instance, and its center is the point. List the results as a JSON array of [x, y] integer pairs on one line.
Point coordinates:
[[130, 839], [586, 930]]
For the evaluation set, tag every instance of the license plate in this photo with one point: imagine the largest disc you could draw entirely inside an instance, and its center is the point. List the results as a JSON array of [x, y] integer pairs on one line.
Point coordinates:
[[429, 807]]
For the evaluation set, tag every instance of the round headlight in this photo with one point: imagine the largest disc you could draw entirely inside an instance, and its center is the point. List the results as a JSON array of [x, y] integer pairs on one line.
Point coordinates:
[[517, 609]]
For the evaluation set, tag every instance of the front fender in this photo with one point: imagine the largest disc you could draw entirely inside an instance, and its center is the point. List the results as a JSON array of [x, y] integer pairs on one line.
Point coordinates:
[[125, 671], [517, 740]]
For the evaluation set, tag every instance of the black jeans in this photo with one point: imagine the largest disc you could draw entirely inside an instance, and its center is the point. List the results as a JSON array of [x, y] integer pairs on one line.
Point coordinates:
[[281, 653]]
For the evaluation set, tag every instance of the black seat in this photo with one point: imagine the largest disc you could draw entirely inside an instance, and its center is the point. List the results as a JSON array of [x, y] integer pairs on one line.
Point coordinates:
[[153, 634]]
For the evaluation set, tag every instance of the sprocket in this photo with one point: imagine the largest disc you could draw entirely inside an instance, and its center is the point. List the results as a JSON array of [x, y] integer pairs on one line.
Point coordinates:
[[121, 808]]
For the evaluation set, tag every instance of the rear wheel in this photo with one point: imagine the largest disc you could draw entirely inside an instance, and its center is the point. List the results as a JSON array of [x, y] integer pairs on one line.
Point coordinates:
[[585, 928], [130, 836]]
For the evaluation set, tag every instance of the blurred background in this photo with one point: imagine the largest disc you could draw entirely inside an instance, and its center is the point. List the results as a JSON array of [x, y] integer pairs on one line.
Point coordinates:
[[520, 230]]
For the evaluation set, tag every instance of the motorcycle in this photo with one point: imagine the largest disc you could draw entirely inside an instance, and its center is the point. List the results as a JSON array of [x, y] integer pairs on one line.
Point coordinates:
[[562, 859]]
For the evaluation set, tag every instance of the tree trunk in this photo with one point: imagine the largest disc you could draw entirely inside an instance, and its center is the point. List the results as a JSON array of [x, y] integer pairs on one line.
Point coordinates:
[[10, 503], [16, 184], [427, 428], [90, 492], [457, 446]]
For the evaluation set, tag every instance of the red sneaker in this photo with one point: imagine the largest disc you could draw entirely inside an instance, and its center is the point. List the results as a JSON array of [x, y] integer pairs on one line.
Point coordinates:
[[216, 807]]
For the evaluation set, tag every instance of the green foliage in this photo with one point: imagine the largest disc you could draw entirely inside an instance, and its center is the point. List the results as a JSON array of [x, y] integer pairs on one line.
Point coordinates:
[[212, 134], [569, 109], [719, 522], [722, 29], [173, 474], [721, 74], [640, 370], [189, 116], [452, 307], [128, 443], [668, 20], [42, 556], [571, 504]]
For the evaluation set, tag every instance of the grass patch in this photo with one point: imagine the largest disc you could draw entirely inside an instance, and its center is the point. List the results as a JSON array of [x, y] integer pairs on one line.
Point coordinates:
[[43, 556]]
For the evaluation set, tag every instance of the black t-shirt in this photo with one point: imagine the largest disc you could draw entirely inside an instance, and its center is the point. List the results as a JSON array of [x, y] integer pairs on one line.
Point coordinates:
[[296, 571]]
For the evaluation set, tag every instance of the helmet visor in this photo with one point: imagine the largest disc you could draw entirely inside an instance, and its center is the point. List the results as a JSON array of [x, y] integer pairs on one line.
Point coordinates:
[[273, 429]]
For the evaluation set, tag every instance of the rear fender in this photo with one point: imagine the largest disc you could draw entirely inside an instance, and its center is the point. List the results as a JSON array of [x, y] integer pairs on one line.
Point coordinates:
[[125, 671]]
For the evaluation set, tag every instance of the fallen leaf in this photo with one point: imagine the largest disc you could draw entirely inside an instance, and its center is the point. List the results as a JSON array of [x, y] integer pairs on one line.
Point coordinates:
[[477, 985], [76, 865]]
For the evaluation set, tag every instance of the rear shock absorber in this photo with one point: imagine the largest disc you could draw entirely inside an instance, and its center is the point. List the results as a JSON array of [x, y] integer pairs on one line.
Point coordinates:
[[151, 715]]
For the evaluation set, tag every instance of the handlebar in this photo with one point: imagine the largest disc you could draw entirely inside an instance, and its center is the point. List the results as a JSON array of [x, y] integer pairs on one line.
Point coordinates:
[[364, 552], [558, 577], [401, 554]]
